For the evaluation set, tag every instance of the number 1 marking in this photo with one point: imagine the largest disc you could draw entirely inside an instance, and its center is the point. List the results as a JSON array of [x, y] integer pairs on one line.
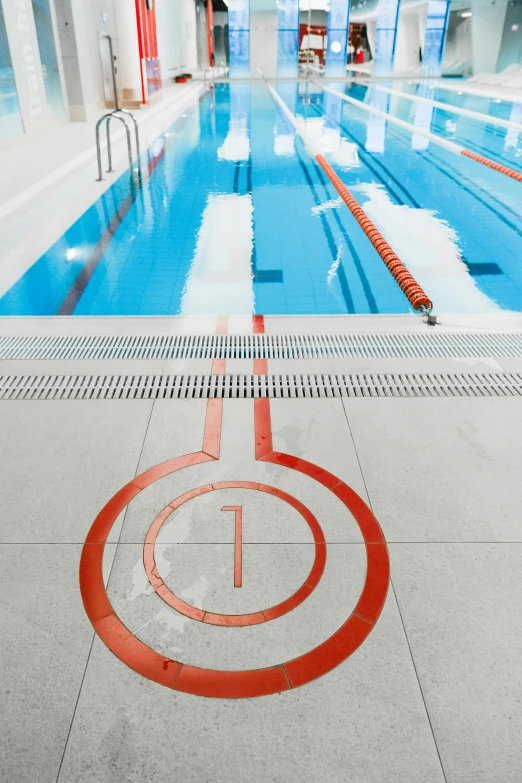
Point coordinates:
[[238, 544]]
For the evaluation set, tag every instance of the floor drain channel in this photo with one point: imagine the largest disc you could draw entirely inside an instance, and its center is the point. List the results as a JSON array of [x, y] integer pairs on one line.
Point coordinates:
[[119, 387], [262, 346]]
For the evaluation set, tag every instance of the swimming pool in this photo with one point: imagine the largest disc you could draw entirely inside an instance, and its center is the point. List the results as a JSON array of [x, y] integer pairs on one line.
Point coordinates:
[[235, 217]]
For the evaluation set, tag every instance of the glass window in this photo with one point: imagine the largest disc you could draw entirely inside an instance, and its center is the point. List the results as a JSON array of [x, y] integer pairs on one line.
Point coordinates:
[[47, 47], [239, 37], [10, 118]]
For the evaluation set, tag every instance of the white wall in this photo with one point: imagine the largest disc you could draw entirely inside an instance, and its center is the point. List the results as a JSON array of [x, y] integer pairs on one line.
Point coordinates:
[[176, 29], [263, 42], [79, 25], [408, 41], [23, 45], [487, 25], [475, 39], [316, 17], [371, 33], [129, 66], [458, 41]]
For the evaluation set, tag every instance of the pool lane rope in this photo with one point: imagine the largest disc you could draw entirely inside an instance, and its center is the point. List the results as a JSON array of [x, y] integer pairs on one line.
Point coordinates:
[[416, 296], [405, 280], [449, 145], [447, 107]]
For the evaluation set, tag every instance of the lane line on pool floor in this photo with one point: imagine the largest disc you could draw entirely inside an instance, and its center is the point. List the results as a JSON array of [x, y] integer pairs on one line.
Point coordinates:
[[449, 145], [84, 276], [487, 118], [416, 296]]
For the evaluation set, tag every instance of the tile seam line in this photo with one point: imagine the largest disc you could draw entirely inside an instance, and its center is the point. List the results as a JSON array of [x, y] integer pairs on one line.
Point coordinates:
[[398, 607], [410, 287], [108, 580], [414, 97], [263, 543], [328, 234], [282, 665], [418, 680], [9, 206], [66, 743], [441, 141], [77, 289], [439, 131], [357, 456]]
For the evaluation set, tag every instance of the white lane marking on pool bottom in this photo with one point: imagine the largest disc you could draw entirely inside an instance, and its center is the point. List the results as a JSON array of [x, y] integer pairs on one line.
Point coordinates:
[[236, 146], [449, 145], [429, 247], [318, 137], [220, 278], [334, 203], [488, 119], [426, 244]]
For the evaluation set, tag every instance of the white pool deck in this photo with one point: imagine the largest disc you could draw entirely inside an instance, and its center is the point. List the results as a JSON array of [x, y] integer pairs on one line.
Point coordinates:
[[433, 693]]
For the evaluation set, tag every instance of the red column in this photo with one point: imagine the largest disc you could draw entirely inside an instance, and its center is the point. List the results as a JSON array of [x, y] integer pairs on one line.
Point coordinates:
[[148, 45], [210, 33]]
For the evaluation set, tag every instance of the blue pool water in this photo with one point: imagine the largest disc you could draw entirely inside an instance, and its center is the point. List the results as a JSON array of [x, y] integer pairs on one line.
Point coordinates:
[[235, 217]]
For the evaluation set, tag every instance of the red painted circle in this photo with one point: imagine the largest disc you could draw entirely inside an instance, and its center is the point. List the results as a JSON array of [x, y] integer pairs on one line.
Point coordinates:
[[253, 618], [234, 684]]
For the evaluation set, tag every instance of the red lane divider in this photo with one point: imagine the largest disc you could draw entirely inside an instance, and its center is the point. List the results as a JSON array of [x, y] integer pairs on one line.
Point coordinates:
[[446, 143], [258, 324], [492, 165], [409, 286]]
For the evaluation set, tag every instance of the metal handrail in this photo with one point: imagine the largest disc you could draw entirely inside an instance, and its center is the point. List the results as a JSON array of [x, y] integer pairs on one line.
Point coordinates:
[[214, 73], [136, 133], [108, 117], [115, 115]]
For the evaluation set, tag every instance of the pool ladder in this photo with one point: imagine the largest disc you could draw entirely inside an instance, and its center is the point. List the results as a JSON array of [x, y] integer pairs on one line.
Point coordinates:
[[116, 115]]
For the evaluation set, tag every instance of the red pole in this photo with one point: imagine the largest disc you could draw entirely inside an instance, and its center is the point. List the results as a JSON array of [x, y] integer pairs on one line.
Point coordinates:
[[210, 29], [139, 23]]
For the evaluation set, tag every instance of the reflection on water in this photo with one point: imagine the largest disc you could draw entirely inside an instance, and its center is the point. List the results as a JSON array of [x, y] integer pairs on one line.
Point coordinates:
[[376, 127], [513, 135], [237, 143], [422, 119], [236, 217], [220, 278], [322, 139], [429, 248], [284, 133]]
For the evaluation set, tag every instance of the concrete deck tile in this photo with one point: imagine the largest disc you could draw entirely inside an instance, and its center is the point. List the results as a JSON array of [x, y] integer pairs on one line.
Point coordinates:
[[81, 366], [364, 720], [286, 567], [300, 367], [187, 367], [428, 366], [46, 638], [311, 429], [66, 460], [461, 609], [441, 469], [511, 364], [175, 428]]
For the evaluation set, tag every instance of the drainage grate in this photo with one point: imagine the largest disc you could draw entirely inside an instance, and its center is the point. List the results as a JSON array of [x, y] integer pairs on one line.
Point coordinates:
[[262, 346], [118, 387]]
